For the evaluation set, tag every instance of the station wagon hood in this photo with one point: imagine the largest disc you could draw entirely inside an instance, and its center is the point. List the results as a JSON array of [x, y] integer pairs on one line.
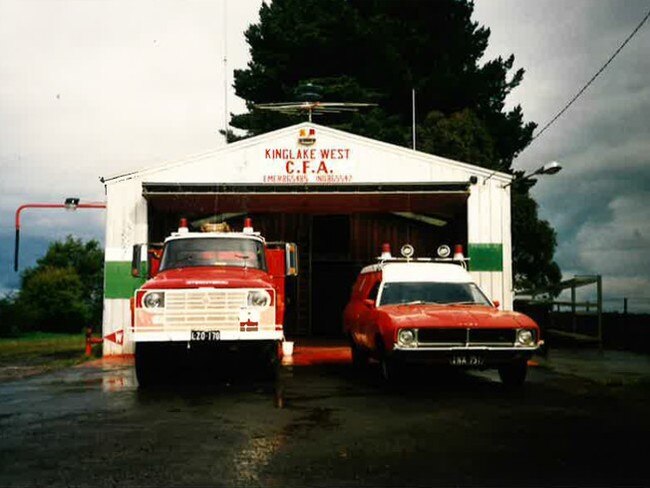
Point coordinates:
[[431, 315], [210, 277]]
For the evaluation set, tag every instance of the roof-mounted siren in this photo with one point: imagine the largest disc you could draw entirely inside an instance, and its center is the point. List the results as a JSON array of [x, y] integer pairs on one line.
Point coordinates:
[[385, 251], [444, 251], [248, 226], [182, 226], [407, 251]]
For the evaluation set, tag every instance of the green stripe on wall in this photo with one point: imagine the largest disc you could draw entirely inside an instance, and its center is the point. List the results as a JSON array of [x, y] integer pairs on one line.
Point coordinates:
[[118, 280], [485, 257]]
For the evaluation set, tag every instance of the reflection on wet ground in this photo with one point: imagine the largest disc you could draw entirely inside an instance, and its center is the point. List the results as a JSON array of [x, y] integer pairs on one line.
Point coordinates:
[[320, 423]]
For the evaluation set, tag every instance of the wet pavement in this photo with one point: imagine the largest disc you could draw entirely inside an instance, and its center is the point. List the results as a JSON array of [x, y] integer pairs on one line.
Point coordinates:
[[321, 424]]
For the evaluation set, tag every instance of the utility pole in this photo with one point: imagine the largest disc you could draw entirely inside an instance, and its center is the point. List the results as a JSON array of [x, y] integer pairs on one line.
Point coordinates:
[[225, 69], [413, 110]]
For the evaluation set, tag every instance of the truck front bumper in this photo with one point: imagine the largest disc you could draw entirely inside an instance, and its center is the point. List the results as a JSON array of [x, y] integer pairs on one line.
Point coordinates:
[[225, 336]]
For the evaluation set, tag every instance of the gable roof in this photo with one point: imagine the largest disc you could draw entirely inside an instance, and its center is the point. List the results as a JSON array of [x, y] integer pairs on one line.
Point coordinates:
[[282, 134]]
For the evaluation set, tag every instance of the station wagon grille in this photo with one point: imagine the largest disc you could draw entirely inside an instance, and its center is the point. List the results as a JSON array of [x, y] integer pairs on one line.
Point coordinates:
[[492, 336], [466, 337], [443, 336]]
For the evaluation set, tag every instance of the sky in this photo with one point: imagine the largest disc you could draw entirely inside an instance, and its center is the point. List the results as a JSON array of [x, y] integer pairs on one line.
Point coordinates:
[[93, 88]]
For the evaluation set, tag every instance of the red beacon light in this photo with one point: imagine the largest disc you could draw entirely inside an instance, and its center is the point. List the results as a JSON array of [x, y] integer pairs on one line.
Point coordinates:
[[458, 253], [248, 225], [182, 226], [385, 251]]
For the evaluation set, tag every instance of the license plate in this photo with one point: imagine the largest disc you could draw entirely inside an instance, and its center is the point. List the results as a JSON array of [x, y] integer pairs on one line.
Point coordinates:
[[205, 335], [465, 360]]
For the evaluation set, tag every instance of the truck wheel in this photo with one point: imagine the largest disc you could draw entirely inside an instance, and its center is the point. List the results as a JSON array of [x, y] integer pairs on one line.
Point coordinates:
[[514, 374], [269, 364], [146, 364]]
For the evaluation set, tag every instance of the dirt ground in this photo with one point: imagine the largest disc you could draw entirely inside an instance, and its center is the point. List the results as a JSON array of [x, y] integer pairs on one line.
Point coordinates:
[[321, 424]]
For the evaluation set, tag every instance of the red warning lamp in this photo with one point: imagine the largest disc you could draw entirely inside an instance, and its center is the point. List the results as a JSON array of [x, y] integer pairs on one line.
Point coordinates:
[[248, 225], [385, 251], [458, 252], [182, 226]]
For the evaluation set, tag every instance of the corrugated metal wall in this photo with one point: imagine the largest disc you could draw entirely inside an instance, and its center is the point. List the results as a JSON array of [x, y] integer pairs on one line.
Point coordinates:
[[487, 221]]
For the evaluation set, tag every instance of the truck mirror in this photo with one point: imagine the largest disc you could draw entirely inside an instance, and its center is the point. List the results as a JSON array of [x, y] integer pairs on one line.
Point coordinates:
[[154, 253], [496, 303], [135, 260], [291, 251]]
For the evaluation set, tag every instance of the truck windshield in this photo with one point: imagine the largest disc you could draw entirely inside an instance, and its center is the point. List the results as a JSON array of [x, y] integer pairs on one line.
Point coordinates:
[[211, 251], [428, 292]]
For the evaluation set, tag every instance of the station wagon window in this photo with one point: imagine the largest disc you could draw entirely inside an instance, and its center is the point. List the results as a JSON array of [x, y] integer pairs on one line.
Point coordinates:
[[374, 291], [429, 292], [240, 253]]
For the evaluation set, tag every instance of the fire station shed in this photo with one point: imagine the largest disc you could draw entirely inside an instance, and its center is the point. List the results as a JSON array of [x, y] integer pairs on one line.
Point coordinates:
[[337, 195]]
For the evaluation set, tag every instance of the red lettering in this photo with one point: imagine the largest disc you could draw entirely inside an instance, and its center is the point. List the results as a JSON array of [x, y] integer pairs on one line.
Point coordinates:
[[305, 166], [289, 167], [267, 153], [324, 153], [322, 168]]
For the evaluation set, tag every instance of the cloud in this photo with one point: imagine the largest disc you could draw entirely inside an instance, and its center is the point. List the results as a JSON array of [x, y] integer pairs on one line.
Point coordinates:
[[90, 89], [598, 203], [96, 88]]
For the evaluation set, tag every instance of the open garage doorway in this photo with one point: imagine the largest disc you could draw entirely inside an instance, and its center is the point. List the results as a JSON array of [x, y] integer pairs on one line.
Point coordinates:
[[337, 235]]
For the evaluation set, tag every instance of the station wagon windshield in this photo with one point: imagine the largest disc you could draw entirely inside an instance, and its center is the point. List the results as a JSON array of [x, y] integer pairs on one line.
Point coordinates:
[[428, 292], [241, 253]]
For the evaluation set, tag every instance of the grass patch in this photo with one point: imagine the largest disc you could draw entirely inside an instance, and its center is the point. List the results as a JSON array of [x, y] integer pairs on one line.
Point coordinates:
[[40, 344], [39, 352]]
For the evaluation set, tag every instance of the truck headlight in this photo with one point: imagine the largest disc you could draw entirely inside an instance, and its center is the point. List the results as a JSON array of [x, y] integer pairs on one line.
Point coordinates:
[[406, 337], [525, 337], [258, 298], [154, 299]]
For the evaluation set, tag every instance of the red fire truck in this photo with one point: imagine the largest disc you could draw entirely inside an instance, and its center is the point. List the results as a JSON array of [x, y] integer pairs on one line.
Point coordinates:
[[216, 291]]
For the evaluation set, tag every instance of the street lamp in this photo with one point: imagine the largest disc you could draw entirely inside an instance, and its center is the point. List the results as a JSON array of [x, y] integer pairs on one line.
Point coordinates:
[[548, 169], [68, 204], [71, 203]]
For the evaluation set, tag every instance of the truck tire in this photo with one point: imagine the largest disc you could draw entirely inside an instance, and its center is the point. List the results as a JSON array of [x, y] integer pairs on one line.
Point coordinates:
[[268, 363], [146, 364], [513, 375]]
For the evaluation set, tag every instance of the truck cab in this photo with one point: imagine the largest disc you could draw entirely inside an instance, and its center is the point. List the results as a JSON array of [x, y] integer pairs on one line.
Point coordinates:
[[216, 290]]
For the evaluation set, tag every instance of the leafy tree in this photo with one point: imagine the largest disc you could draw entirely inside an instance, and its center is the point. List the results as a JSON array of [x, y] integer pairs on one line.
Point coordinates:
[[378, 51], [53, 300], [10, 316], [64, 291]]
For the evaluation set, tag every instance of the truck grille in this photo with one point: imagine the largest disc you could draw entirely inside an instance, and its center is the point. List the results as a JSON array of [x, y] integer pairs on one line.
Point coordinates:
[[204, 309], [466, 337]]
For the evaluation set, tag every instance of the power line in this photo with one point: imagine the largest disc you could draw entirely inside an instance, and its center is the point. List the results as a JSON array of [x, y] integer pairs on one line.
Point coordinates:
[[593, 78]]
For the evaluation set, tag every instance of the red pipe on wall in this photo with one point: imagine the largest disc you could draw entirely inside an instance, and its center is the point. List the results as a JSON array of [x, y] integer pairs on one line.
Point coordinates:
[[44, 205]]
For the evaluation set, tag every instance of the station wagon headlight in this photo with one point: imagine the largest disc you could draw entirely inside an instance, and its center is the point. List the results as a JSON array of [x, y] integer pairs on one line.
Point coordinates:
[[258, 298], [525, 337], [406, 337], [154, 300]]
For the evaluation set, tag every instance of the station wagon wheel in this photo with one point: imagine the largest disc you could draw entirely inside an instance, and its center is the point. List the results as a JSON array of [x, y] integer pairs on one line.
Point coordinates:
[[390, 367], [359, 355], [514, 374]]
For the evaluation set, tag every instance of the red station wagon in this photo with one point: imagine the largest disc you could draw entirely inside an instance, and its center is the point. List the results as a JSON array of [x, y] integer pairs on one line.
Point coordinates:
[[431, 311]]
